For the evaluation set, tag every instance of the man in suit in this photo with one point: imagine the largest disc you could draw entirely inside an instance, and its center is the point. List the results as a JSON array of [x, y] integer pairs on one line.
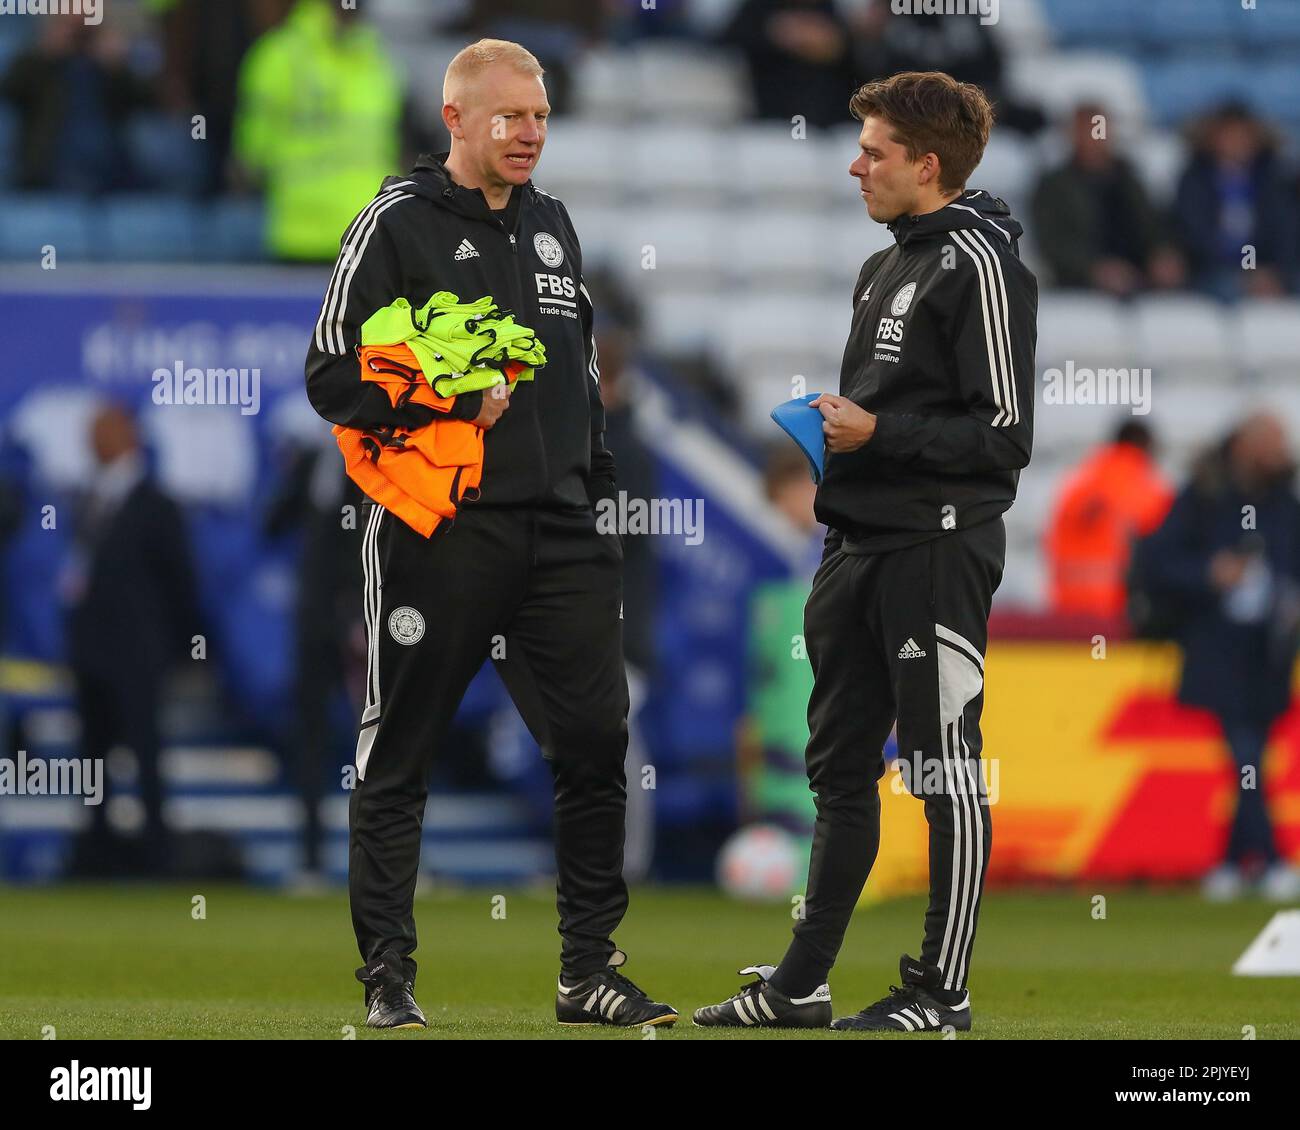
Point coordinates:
[[132, 613]]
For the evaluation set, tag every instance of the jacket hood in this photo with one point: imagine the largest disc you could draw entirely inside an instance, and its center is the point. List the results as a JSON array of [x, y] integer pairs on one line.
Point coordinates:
[[974, 208], [429, 178]]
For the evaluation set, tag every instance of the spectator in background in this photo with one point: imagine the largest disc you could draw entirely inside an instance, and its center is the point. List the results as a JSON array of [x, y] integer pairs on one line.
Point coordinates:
[[73, 92], [790, 491], [318, 122], [893, 42], [1094, 223], [203, 46], [1115, 495], [133, 610], [800, 58], [1226, 563], [1233, 195]]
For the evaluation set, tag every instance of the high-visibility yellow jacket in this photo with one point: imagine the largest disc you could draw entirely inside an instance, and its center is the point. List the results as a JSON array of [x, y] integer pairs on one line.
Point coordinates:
[[318, 117]]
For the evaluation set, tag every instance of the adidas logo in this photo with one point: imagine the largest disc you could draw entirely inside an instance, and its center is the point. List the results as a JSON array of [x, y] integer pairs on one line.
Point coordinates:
[[466, 250], [750, 1013], [604, 1000], [909, 650]]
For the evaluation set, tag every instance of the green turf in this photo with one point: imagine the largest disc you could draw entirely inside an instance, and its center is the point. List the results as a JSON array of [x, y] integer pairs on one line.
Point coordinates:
[[129, 962]]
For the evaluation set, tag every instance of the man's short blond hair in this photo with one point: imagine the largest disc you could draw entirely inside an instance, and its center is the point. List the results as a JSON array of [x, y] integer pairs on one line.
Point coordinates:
[[473, 60]]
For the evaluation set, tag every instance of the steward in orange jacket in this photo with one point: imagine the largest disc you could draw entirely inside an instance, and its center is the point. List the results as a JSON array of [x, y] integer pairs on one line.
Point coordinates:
[[1116, 495]]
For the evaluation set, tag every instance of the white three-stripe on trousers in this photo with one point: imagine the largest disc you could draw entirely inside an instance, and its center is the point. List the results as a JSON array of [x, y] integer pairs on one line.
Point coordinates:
[[371, 608], [961, 678]]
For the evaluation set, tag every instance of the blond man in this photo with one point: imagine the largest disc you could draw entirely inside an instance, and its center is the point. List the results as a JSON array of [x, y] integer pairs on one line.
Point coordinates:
[[522, 575]]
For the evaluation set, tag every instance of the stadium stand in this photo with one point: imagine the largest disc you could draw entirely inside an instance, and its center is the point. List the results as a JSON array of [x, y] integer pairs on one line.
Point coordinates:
[[739, 243]]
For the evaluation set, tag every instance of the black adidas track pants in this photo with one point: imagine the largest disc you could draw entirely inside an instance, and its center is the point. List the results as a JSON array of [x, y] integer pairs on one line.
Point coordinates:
[[898, 635], [539, 592]]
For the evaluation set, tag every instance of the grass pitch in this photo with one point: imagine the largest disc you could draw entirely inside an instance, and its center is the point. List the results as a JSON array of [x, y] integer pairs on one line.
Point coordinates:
[[130, 962]]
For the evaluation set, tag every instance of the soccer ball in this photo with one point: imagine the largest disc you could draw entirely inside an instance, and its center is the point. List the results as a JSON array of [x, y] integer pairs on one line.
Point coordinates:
[[759, 863]]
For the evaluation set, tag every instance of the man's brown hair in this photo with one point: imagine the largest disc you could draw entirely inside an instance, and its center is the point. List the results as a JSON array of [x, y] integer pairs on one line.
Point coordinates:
[[931, 112]]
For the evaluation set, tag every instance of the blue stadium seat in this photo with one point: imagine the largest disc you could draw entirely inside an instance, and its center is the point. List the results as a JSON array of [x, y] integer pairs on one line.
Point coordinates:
[[1273, 25], [233, 231], [1202, 24], [1101, 23], [1276, 91], [1181, 88], [164, 155], [29, 221], [143, 227]]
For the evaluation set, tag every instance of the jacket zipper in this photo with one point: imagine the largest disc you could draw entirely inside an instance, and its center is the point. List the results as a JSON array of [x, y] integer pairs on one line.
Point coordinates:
[[519, 282], [518, 306]]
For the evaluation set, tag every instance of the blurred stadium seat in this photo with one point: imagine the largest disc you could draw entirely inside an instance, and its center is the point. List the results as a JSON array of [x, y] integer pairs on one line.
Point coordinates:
[[697, 171], [1276, 91], [1109, 24], [662, 247], [1275, 27], [157, 227], [1180, 87], [784, 335], [1165, 24], [776, 250], [1190, 417], [603, 85], [771, 166], [679, 323], [583, 163], [30, 221], [682, 82], [1061, 81], [1266, 334], [1184, 336], [1086, 328], [232, 230]]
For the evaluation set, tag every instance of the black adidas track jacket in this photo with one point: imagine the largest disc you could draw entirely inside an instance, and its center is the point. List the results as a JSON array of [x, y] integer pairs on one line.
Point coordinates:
[[941, 350], [424, 233]]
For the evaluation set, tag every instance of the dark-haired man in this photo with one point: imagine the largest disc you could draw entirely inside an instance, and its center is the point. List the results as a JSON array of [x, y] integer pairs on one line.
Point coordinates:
[[925, 444]]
